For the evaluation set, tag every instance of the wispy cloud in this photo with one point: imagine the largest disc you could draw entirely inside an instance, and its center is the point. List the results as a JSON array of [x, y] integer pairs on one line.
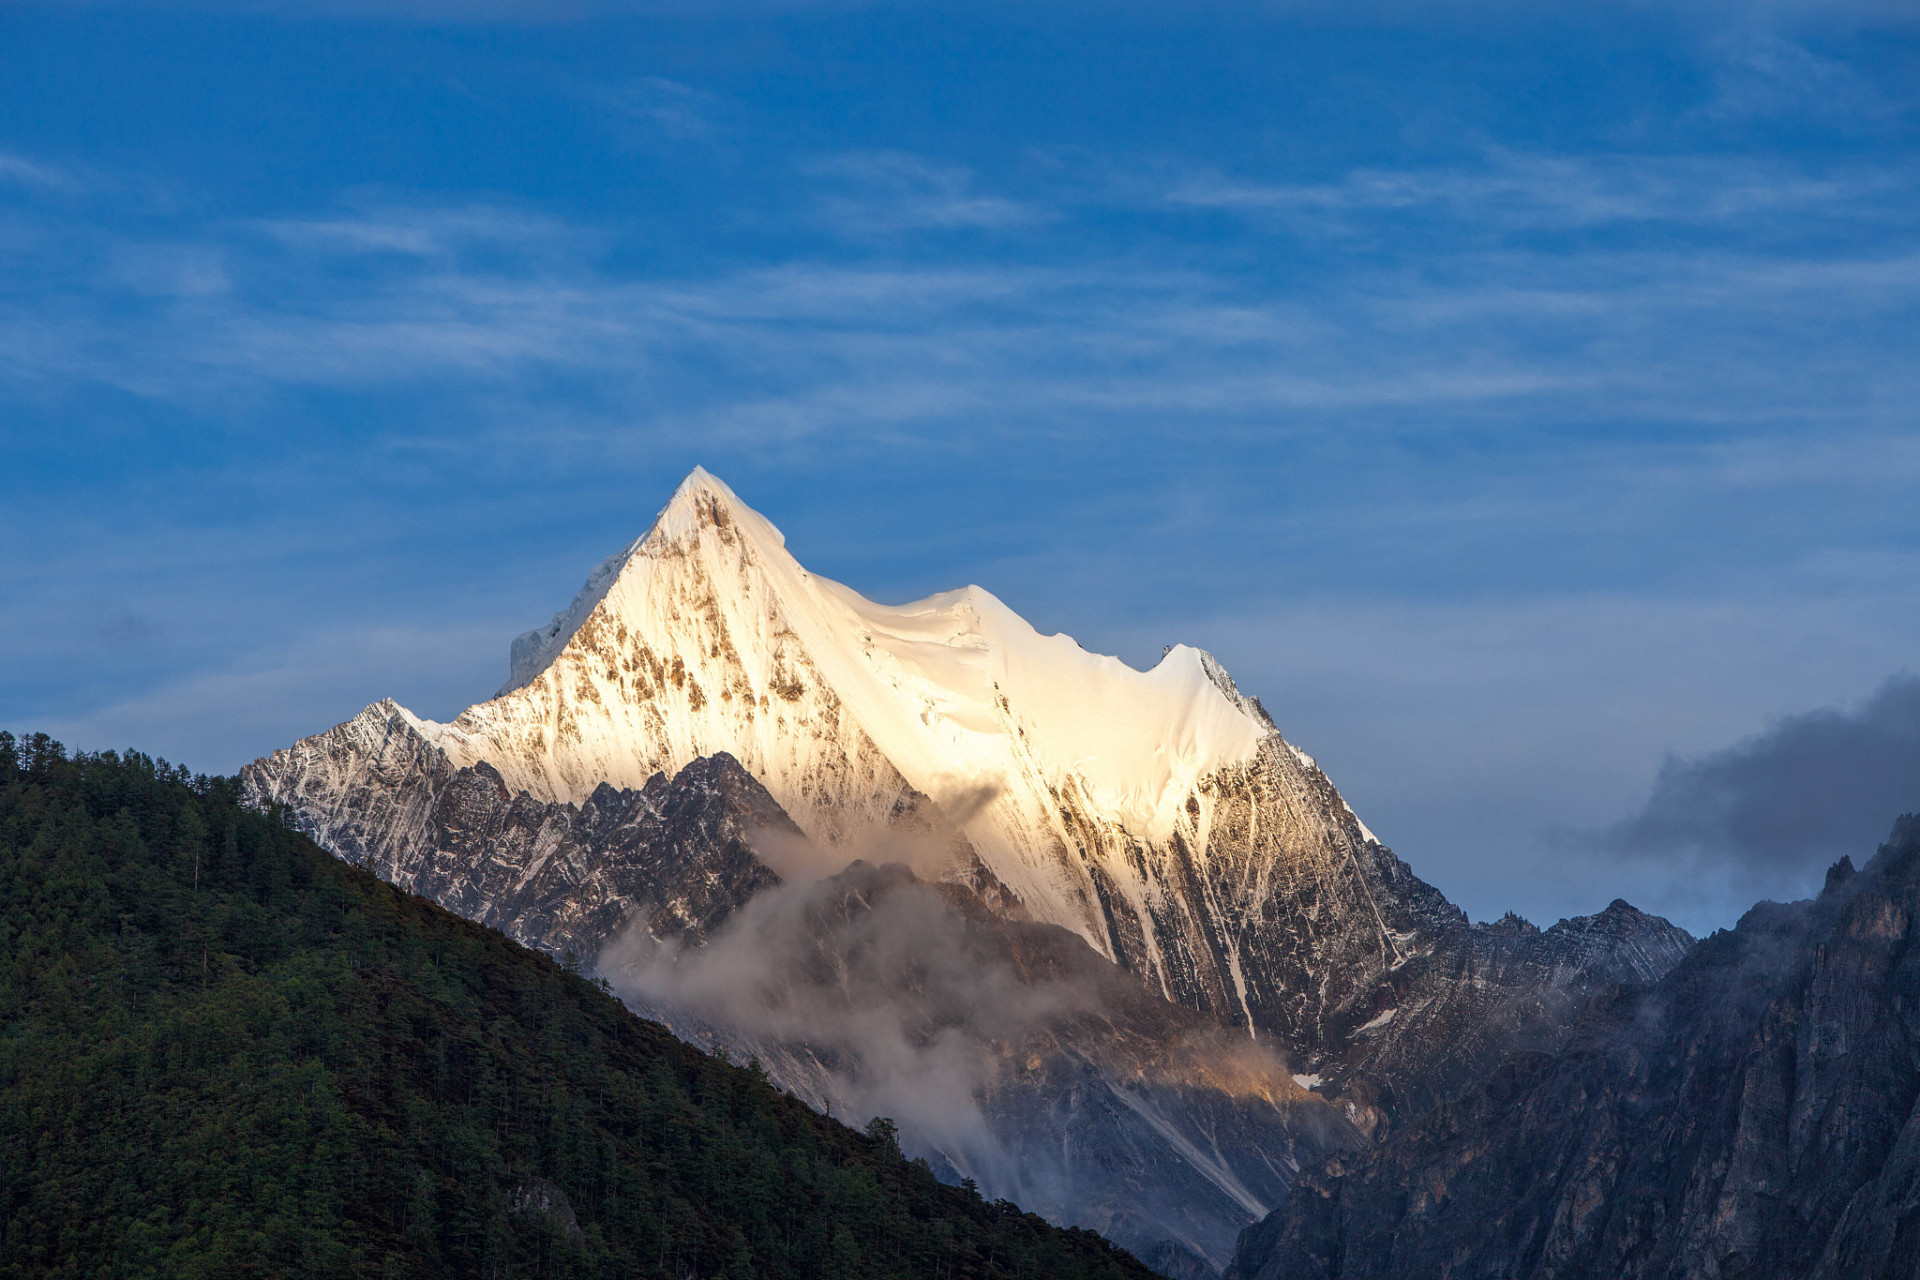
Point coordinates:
[[1762, 74], [503, 300], [1509, 192], [887, 192], [679, 112], [29, 173], [433, 232]]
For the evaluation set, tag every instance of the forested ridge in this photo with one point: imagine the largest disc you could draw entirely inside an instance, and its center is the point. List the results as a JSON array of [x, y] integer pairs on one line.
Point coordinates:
[[225, 1053]]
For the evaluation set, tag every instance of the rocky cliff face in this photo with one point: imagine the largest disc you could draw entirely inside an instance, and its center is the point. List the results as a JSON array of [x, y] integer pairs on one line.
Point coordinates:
[[1752, 1114], [674, 855], [1449, 1016]]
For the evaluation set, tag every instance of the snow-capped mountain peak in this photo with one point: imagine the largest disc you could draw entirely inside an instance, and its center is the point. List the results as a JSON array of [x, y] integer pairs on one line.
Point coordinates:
[[722, 690], [1067, 785], [707, 635]]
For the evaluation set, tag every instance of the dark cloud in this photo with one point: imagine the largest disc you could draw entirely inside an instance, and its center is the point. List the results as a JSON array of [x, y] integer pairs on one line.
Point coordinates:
[[1778, 807]]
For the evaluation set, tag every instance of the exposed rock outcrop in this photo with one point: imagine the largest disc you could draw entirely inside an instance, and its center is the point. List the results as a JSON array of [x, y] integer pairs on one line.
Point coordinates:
[[674, 854]]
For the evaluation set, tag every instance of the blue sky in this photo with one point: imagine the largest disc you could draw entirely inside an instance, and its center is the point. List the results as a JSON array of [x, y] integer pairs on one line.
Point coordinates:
[[1515, 400]]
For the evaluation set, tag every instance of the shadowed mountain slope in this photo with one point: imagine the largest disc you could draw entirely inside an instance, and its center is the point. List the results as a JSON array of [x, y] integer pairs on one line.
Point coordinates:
[[1009, 1051]]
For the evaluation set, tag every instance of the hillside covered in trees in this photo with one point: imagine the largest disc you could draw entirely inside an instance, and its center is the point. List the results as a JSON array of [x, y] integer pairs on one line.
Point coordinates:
[[225, 1053]]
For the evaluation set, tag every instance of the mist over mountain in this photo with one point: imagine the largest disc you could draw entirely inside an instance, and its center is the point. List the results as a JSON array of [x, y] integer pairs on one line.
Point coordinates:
[[1009, 1053]]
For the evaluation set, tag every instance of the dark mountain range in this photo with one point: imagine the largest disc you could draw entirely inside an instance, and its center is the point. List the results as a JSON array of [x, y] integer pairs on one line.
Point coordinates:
[[224, 1052], [1750, 1115]]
